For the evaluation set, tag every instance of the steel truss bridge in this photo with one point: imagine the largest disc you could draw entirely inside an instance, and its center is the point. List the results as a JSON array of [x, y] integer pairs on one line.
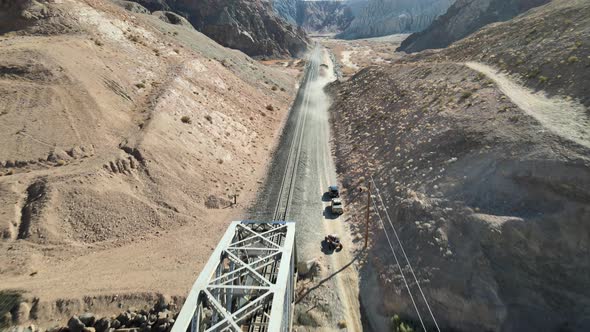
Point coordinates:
[[248, 284]]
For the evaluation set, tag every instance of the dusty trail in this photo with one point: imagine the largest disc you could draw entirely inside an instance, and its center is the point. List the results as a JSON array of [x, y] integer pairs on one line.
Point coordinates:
[[338, 279], [567, 119]]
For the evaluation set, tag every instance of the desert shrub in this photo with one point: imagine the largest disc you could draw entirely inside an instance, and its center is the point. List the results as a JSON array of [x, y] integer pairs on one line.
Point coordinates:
[[98, 42], [573, 59], [533, 73], [466, 94], [274, 88], [543, 79], [133, 38], [398, 325], [270, 107], [140, 85], [208, 118], [186, 119], [61, 162]]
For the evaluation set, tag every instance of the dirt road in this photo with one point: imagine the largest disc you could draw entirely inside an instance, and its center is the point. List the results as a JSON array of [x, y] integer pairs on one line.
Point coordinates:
[[337, 279], [567, 119]]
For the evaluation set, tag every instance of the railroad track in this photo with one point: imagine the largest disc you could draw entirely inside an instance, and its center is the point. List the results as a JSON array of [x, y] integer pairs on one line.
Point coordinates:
[[287, 187], [259, 322]]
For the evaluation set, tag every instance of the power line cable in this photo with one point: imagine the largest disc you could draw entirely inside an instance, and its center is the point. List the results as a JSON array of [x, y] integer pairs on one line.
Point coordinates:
[[400, 267], [404, 253]]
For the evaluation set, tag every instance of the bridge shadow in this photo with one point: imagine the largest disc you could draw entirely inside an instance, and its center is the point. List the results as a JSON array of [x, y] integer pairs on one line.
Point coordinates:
[[326, 279]]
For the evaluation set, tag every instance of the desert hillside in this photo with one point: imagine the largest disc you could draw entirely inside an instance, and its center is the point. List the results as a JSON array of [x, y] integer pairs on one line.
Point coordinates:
[[462, 19], [546, 49], [123, 137], [486, 181]]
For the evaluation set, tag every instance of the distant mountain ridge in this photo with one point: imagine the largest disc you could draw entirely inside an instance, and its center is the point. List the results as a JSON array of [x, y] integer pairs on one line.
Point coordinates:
[[324, 16], [385, 17], [463, 18]]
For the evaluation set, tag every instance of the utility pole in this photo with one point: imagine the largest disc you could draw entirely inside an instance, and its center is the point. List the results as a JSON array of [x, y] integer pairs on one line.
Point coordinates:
[[368, 215]]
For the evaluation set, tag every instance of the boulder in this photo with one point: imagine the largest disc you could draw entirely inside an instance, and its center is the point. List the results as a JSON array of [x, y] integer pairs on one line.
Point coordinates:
[[102, 325], [88, 318], [305, 268], [132, 6], [21, 314], [124, 318], [75, 324], [6, 319], [58, 154], [172, 18], [115, 324], [163, 302]]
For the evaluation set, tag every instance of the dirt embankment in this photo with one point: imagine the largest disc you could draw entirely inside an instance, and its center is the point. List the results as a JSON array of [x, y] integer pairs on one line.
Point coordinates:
[[489, 205], [123, 137]]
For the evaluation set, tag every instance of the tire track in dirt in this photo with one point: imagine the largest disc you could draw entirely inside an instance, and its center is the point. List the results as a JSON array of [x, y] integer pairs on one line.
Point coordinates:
[[567, 119]]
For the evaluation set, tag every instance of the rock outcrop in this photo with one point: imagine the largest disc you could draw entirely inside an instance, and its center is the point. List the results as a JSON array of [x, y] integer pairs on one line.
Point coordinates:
[[247, 25], [463, 18], [324, 16], [385, 17], [286, 9]]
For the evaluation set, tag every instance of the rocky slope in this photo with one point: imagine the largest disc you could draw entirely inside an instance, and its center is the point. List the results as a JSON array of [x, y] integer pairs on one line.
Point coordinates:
[[122, 138], [463, 18], [489, 202], [250, 26], [385, 17], [287, 9], [323, 16], [547, 49]]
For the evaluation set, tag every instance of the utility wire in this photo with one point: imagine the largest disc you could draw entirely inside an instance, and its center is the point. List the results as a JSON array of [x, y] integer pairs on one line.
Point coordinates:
[[404, 252], [400, 267]]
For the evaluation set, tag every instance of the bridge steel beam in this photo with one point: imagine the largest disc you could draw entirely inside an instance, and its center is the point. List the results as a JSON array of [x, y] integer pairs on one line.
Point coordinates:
[[248, 284]]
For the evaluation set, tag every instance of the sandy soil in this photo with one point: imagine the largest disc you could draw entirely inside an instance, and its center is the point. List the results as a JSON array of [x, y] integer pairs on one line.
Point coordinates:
[[353, 55], [123, 141]]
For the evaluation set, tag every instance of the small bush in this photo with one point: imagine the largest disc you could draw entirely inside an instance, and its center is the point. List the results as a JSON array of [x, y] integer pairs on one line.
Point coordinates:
[[543, 79], [573, 59], [186, 119], [208, 118], [342, 324], [133, 38], [533, 73], [466, 94], [61, 162], [274, 88], [397, 325], [177, 51], [140, 85], [270, 107], [98, 42]]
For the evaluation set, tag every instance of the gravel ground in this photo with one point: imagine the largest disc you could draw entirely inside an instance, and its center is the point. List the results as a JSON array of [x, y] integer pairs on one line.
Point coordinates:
[[335, 277]]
